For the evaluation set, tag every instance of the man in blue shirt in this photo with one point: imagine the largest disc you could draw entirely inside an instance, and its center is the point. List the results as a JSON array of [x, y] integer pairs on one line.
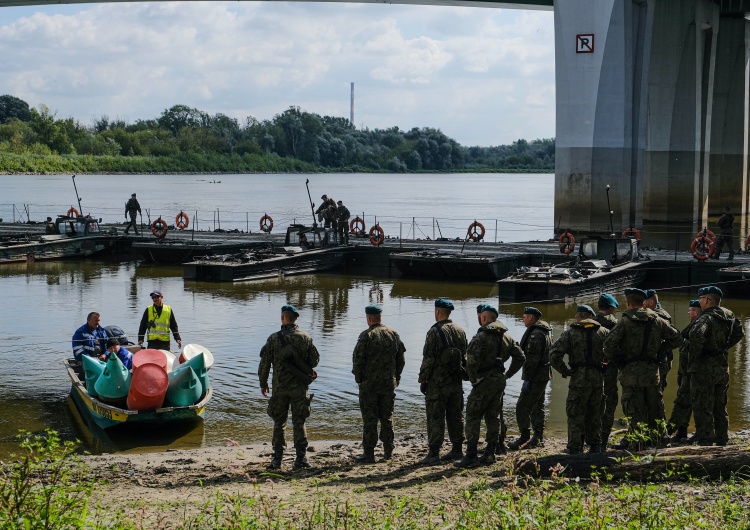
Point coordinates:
[[90, 339]]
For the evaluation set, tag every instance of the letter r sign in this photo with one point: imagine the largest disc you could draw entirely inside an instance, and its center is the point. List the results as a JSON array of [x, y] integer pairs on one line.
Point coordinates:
[[585, 43]]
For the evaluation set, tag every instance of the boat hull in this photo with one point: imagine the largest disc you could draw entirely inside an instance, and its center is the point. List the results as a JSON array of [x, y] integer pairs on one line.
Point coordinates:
[[56, 247], [106, 415], [735, 281], [179, 252], [462, 267]]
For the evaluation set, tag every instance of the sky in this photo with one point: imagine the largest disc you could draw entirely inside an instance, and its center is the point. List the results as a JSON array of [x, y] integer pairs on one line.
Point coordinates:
[[483, 76]]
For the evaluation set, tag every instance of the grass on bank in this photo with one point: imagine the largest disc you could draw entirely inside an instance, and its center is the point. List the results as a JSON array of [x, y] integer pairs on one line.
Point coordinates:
[[47, 486]]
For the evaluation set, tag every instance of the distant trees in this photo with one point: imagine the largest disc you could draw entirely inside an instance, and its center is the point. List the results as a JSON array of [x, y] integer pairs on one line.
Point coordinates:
[[323, 142]]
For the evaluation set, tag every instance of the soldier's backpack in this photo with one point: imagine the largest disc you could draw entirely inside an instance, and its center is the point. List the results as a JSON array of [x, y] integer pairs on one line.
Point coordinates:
[[450, 356]]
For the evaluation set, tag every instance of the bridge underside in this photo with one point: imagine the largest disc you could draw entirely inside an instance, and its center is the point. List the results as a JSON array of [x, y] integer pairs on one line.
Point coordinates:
[[658, 110]]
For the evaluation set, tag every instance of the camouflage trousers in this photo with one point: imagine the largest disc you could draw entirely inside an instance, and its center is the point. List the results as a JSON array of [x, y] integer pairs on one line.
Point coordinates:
[[530, 406], [485, 401], [445, 404], [709, 396], [281, 401], [376, 406], [643, 404], [609, 402], [583, 408], [682, 408]]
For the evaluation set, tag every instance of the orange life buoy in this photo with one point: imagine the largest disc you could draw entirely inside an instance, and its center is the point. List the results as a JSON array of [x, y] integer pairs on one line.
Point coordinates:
[[475, 231], [266, 224], [159, 228], [634, 231], [357, 226], [706, 233], [702, 248], [182, 220], [567, 242], [72, 213], [377, 236]]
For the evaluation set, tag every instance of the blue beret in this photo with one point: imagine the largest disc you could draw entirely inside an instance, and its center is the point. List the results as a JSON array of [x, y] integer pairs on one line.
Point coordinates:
[[290, 308], [607, 300], [711, 289], [583, 308], [633, 290], [444, 303], [480, 308], [488, 307], [373, 310], [532, 311], [695, 303], [649, 293]]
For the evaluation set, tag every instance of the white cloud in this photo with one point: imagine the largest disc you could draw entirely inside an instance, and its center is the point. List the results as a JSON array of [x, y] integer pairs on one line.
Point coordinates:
[[483, 76]]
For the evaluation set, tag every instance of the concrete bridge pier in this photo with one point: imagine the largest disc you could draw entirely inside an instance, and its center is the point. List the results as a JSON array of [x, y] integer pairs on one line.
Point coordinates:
[[651, 100]]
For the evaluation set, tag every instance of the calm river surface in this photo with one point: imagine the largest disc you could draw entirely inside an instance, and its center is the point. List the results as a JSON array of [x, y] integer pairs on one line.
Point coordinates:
[[44, 303]]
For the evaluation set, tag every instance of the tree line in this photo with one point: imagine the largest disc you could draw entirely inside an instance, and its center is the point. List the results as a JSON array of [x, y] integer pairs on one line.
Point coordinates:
[[188, 139]]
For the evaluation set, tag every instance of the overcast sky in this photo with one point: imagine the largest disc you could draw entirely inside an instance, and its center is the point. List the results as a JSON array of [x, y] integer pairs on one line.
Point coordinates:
[[483, 76]]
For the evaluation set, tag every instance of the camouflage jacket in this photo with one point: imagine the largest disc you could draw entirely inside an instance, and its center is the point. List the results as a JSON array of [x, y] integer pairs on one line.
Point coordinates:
[[488, 351], [608, 321], [535, 344], [583, 343], [303, 355], [434, 368], [682, 367], [638, 360], [665, 352], [711, 336], [378, 358], [342, 213]]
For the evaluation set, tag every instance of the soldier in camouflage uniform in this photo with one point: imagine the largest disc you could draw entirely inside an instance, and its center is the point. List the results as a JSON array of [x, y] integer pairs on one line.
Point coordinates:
[[633, 344], [487, 353], [606, 317], [378, 361], [583, 343], [711, 337], [536, 374], [342, 217], [665, 354], [682, 408], [441, 381], [292, 355]]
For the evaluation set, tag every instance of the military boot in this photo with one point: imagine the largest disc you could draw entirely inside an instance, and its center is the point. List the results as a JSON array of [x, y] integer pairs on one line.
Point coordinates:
[[470, 459], [387, 453], [518, 442], [488, 457], [367, 457], [433, 456], [301, 460], [275, 462], [536, 440], [456, 453], [595, 449]]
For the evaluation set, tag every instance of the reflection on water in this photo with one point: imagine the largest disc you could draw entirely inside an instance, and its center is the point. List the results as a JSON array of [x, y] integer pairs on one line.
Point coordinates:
[[46, 302]]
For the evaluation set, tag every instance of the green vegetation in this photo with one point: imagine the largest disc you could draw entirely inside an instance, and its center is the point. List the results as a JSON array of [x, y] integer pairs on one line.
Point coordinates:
[[185, 139]]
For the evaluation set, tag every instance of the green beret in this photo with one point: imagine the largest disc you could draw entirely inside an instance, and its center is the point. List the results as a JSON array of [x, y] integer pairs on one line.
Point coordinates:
[[291, 309], [444, 303], [711, 289], [649, 293], [488, 307], [583, 308], [373, 310], [532, 311], [633, 290], [695, 303], [607, 300]]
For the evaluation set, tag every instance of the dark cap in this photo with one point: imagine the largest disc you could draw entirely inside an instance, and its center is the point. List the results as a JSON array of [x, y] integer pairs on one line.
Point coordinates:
[[290, 308], [727, 208], [373, 310], [710, 289], [584, 308], [607, 300], [633, 290], [695, 303], [132, 194], [444, 303], [532, 311], [324, 196], [649, 293], [112, 341], [156, 292], [340, 202]]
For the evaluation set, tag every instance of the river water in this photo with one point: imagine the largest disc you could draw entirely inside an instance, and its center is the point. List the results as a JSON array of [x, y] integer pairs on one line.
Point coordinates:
[[45, 302]]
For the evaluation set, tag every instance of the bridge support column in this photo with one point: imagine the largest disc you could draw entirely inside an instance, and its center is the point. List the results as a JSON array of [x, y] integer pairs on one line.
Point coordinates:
[[656, 108]]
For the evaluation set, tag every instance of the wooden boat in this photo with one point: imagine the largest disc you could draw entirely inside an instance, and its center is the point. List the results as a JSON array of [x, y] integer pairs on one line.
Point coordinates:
[[306, 250], [106, 415], [67, 237], [602, 265]]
